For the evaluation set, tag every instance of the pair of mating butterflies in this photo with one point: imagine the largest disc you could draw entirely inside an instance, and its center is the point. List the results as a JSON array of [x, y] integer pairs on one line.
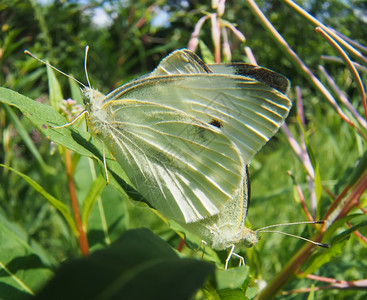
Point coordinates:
[[185, 134]]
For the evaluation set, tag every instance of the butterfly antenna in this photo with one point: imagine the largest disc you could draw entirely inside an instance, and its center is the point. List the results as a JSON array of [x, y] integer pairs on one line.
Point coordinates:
[[85, 65], [51, 66], [264, 229], [289, 224], [298, 237]]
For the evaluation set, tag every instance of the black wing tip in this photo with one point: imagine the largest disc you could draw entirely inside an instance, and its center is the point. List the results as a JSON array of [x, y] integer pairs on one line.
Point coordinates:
[[264, 75]]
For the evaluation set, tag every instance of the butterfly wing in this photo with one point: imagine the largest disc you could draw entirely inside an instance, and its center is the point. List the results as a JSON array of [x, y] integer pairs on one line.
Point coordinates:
[[186, 62], [226, 228], [246, 110], [247, 102], [184, 168], [243, 113]]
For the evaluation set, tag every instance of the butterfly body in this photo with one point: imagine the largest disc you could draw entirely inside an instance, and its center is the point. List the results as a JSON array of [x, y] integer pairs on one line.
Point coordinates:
[[228, 226]]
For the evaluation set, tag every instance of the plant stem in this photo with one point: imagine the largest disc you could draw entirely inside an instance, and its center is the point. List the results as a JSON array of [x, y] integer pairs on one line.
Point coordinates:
[[82, 237]]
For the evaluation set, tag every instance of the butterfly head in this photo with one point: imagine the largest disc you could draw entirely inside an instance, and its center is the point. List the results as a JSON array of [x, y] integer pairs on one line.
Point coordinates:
[[251, 237], [93, 99]]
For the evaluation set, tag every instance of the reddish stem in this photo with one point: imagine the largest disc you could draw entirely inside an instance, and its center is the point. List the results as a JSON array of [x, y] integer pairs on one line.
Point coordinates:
[[82, 238], [181, 245]]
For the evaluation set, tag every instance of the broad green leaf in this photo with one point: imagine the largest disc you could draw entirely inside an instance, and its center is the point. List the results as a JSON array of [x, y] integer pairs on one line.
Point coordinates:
[[45, 116], [231, 278], [61, 207], [22, 271], [137, 266]]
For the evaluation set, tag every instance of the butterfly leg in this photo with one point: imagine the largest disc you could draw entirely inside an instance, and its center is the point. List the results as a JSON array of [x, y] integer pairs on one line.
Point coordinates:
[[232, 253], [104, 162], [229, 256], [204, 244], [242, 260]]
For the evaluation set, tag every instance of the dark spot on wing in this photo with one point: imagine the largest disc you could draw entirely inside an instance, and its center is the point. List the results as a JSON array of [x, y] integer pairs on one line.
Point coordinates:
[[217, 123], [264, 75]]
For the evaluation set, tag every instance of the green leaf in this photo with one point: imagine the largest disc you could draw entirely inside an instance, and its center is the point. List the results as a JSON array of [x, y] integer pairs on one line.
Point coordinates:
[[251, 292], [76, 93], [308, 146], [338, 224], [54, 88], [22, 271], [137, 266], [338, 244], [45, 117], [45, 255], [232, 295], [340, 238], [232, 283], [311, 295], [317, 177], [206, 54], [359, 169], [28, 141], [96, 189], [61, 207], [231, 278]]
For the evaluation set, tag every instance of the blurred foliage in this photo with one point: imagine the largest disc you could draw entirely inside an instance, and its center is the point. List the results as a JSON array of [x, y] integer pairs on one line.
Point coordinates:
[[127, 45]]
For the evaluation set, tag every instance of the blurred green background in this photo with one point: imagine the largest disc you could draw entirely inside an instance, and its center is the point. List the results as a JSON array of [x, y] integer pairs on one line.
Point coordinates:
[[128, 39]]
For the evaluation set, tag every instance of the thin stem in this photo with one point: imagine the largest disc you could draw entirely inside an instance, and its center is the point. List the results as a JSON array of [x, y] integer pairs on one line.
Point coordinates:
[[347, 202], [316, 22], [303, 202], [348, 62], [293, 55], [339, 60], [82, 237], [342, 285], [343, 98], [321, 278], [194, 40], [216, 37]]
